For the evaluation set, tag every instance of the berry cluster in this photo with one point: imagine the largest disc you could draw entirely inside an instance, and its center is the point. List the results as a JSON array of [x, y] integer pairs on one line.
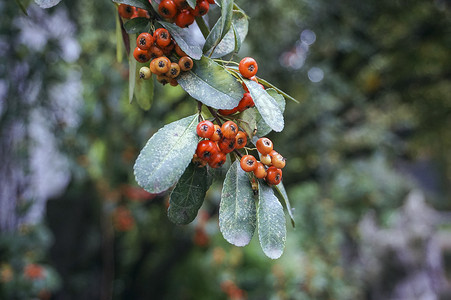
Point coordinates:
[[248, 69], [131, 12], [218, 141], [158, 48], [180, 13], [270, 165]]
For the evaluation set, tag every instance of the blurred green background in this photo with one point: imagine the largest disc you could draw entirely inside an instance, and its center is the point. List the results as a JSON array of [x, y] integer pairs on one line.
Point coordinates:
[[368, 173]]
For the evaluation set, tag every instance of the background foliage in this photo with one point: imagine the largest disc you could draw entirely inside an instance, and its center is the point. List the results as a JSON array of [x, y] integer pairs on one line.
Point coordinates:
[[373, 124]]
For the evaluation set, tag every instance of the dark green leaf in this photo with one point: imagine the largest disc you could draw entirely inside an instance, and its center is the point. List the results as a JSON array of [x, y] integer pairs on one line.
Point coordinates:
[[166, 155], [131, 68], [266, 83], [192, 3], [248, 121], [266, 105], [188, 195], [211, 84], [184, 39], [234, 38], [47, 3], [22, 6], [138, 3], [237, 211], [263, 128], [281, 189], [143, 89], [271, 222], [137, 25]]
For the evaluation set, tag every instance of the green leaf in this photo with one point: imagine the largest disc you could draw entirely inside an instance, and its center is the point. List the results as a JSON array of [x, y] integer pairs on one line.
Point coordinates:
[[266, 105], [143, 89], [271, 222], [248, 121], [263, 128], [137, 25], [138, 3], [192, 3], [237, 210], [166, 155], [23, 7], [47, 3], [221, 27], [211, 84], [184, 39], [281, 189], [234, 38], [188, 195], [266, 83], [131, 68]]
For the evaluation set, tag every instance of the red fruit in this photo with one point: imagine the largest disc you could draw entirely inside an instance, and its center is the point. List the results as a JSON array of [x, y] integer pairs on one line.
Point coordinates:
[[211, 1], [167, 9], [217, 160], [181, 4], [241, 140], [248, 67], [203, 7], [246, 102], [184, 18], [274, 175], [186, 63], [205, 129], [226, 112], [144, 41], [141, 55], [229, 130], [278, 161], [227, 145], [126, 11], [264, 145], [248, 163], [206, 149], [162, 37], [217, 135], [260, 171]]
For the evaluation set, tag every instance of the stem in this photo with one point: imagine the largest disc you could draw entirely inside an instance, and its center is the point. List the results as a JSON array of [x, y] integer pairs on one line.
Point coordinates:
[[202, 26], [199, 111], [215, 115]]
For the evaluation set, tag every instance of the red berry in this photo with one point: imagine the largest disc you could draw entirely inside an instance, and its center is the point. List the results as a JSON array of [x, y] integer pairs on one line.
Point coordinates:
[[226, 112], [217, 160], [264, 145], [184, 18], [162, 37], [203, 6], [186, 63], [229, 130], [144, 41], [206, 149], [227, 145], [260, 171], [246, 102], [278, 161], [248, 67], [167, 9], [274, 175], [126, 11], [217, 134], [205, 129], [248, 163], [141, 55], [181, 4], [241, 140]]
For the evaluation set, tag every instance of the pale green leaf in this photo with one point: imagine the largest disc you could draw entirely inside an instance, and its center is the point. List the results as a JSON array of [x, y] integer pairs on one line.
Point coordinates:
[[263, 128], [211, 84], [143, 89], [237, 210], [266, 105], [184, 39], [131, 68], [281, 189], [271, 222], [47, 3], [166, 155]]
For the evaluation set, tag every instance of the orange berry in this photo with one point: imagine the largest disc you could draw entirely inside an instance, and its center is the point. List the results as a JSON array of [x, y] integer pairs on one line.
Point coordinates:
[[248, 67], [248, 163], [241, 140], [229, 130], [274, 175], [264, 145], [260, 171], [205, 129]]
